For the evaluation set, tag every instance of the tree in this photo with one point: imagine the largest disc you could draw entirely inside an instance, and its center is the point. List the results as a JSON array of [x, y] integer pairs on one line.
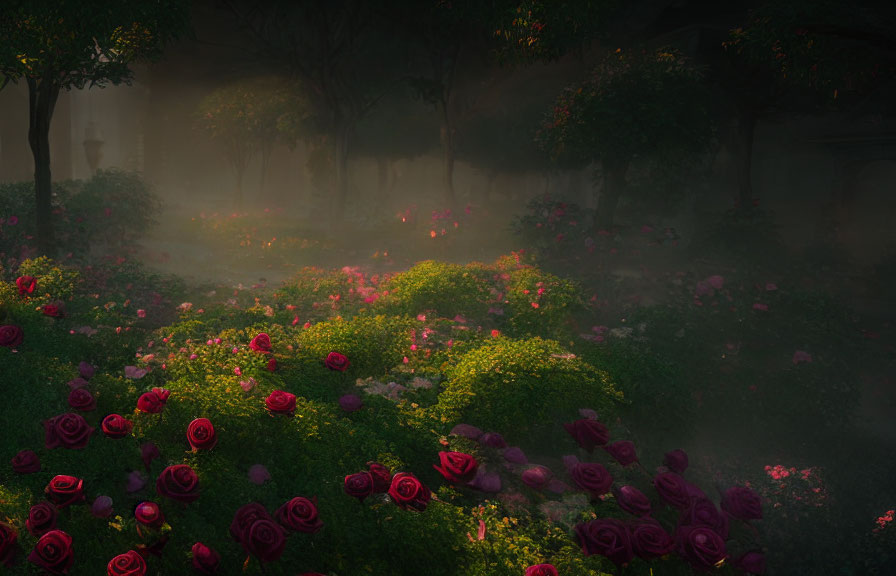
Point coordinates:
[[58, 45], [248, 117], [633, 104], [340, 52]]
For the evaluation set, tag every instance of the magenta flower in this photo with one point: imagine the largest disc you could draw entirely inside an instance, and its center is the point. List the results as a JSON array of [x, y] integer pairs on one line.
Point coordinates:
[[258, 474], [101, 507], [623, 451], [350, 403], [537, 477]]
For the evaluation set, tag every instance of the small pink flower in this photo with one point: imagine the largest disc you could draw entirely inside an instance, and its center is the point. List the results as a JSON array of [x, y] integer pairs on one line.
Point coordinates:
[[258, 474], [237, 371], [248, 384], [716, 281], [134, 372], [141, 313]]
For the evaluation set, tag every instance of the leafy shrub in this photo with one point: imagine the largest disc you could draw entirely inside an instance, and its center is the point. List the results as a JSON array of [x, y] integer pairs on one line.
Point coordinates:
[[522, 387], [54, 282], [539, 303], [552, 227], [445, 289]]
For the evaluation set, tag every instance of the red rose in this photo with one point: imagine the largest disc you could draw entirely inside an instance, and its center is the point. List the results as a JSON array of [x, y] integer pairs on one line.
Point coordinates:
[[67, 430], [264, 539], [128, 564], [457, 467], [299, 515], [592, 478], [272, 365], [205, 560], [382, 478], [280, 402], [607, 537], [742, 503], [64, 490], [541, 570], [81, 399], [673, 489], [245, 516], [337, 361], [11, 336], [359, 485], [588, 433], [623, 451], [649, 539], [52, 310], [408, 492], [8, 537], [116, 426], [178, 482], [53, 552], [149, 514], [150, 402], [25, 462], [632, 500], [26, 285], [162, 394], [201, 434], [261, 343], [41, 519]]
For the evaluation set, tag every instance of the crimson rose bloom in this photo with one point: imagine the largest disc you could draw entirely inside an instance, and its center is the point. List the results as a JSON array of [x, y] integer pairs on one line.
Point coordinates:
[[541, 570], [64, 490], [280, 402], [605, 536], [205, 559], [25, 462], [588, 433], [81, 399], [128, 564], [261, 343], [264, 539], [271, 365], [26, 285], [623, 451], [382, 477], [673, 489], [8, 537], [592, 478], [53, 552], [742, 503], [337, 361], [67, 430], [649, 539], [359, 485], [244, 517], [299, 515], [703, 512], [52, 310], [41, 519], [408, 492], [178, 482], [11, 336], [201, 434], [116, 426], [457, 467], [149, 514], [151, 402], [632, 500], [700, 546], [676, 461]]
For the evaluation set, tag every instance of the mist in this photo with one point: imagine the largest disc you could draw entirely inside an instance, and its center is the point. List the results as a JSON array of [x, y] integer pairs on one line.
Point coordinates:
[[710, 250]]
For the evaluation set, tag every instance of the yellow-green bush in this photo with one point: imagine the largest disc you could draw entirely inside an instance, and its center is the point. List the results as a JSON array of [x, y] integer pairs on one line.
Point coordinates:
[[441, 288]]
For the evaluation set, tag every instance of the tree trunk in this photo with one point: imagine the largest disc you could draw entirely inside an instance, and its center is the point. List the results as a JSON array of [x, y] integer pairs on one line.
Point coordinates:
[[42, 96], [447, 137], [746, 127], [613, 188]]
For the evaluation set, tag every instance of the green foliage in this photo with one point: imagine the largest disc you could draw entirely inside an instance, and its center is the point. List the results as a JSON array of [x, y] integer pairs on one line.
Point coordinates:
[[443, 288], [114, 209], [633, 104], [373, 344], [63, 44], [552, 227], [54, 282], [538, 302], [523, 388]]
